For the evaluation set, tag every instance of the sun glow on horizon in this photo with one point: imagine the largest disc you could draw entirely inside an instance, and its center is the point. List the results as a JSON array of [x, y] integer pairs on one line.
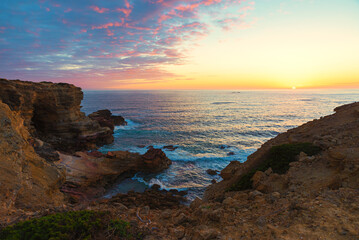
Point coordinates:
[[197, 44]]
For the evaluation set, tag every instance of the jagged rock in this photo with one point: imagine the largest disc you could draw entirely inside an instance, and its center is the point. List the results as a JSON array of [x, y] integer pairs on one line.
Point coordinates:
[[89, 172], [337, 154], [106, 119], [254, 193], [170, 147], [182, 219], [154, 160], [27, 181], [268, 183], [205, 233], [51, 112], [231, 154], [153, 199], [46, 151], [211, 172], [228, 171], [179, 232], [196, 203]]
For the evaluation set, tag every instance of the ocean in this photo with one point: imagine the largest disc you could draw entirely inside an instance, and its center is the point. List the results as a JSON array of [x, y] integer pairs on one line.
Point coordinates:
[[209, 128]]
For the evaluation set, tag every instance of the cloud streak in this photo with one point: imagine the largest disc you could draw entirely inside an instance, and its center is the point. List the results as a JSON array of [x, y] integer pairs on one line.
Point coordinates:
[[113, 41]]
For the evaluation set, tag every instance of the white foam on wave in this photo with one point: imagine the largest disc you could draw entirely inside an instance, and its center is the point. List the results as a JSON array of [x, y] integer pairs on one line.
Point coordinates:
[[182, 155], [152, 182], [130, 126], [163, 182]]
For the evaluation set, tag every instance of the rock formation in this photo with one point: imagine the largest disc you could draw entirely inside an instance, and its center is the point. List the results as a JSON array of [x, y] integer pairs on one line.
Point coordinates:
[[27, 181], [51, 111], [106, 119], [338, 164], [89, 173]]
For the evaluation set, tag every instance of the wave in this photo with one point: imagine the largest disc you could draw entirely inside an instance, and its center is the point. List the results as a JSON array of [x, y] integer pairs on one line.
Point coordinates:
[[307, 99], [220, 103], [130, 126]]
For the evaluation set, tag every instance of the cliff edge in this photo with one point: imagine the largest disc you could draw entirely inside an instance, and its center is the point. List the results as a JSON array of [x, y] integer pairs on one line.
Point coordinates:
[[51, 112]]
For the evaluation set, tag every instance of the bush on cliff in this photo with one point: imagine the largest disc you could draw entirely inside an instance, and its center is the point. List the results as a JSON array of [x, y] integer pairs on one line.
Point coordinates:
[[278, 159], [69, 225]]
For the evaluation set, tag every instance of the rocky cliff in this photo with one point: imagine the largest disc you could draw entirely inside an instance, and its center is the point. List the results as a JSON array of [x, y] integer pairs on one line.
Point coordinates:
[[26, 180], [338, 164], [41, 128], [51, 112], [302, 184]]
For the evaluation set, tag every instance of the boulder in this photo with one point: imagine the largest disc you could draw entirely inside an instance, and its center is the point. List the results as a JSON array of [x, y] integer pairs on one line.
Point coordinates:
[[231, 154], [211, 172], [154, 160]]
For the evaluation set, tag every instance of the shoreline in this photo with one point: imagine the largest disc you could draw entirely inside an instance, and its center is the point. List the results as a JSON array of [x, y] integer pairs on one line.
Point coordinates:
[[301, 184]]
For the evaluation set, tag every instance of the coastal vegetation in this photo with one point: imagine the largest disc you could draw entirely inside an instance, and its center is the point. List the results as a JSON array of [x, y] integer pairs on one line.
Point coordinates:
[[278, 160], [70, 225]]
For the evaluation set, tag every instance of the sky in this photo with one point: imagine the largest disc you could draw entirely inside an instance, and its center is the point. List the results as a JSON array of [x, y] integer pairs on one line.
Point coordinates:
[[182, 44]]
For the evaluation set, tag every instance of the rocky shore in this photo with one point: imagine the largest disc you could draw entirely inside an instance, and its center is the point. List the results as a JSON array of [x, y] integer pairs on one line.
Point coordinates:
[[302, 184], [48, 147]]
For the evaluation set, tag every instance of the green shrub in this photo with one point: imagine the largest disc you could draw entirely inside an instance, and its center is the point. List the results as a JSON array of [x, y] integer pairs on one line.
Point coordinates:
[[67, 225], [278, 159], [70, 226], [119, 228]]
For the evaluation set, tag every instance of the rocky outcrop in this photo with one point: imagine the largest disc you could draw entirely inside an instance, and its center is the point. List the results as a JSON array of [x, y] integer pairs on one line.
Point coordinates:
[[316, 198], [51, 112], [153, 198], [106, 119], [26, 180], [89, 173], [337, 165]]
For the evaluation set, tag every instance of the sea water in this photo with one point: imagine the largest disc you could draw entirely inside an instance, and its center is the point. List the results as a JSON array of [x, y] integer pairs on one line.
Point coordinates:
[[209, 128]]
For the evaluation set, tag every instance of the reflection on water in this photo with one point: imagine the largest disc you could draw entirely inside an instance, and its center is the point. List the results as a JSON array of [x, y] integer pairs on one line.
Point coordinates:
[[200, 122]]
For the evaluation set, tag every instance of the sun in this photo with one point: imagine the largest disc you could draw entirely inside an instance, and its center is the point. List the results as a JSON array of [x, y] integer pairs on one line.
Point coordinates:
[[294, 87]]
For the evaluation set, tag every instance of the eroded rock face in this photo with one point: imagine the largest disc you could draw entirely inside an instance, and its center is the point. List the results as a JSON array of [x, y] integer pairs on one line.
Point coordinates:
[[89, 173], [52, 113], [26, 180]]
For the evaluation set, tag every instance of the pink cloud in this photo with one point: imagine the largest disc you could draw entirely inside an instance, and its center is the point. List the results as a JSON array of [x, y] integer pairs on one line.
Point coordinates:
[[164, 18], [107, 25], [137, 28], [173, 53], [210, 2], [99, 10], [109, 32], [127, 4], [125, 11]]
